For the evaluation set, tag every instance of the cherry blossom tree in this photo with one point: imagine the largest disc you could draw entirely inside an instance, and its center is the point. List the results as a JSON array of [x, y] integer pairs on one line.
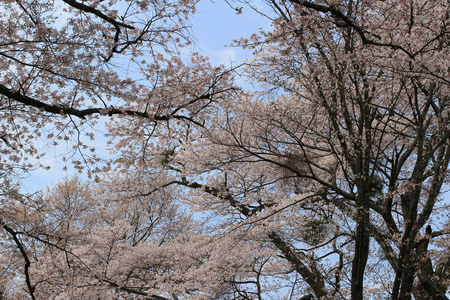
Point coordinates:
[[79, 243], [326, 183], [354, 120], [65, 65], [341, 160]]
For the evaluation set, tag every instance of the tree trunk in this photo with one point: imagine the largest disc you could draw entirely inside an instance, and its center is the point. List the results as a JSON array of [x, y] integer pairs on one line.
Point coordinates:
[[361, 254]]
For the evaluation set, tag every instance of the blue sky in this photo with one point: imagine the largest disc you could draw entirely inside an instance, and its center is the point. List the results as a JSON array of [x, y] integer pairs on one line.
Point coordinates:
[[216, 24]]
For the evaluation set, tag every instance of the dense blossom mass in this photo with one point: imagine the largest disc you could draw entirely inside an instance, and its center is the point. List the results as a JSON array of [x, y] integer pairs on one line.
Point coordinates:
[[327, 182]]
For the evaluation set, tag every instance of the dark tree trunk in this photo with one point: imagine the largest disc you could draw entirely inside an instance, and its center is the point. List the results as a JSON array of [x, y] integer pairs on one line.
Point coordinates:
[[361, 254]]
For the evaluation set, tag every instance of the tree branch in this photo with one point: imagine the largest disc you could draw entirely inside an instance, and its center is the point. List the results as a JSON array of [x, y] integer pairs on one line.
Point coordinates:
[[22, 250], [333, 10], [83, 113], [98, 13]]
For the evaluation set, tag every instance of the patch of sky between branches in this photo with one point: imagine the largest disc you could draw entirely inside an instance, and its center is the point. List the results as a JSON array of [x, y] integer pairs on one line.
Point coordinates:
[[217, 23]]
